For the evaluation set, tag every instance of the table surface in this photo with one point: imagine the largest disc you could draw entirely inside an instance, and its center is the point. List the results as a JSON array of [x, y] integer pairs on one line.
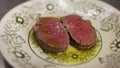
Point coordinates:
[[6, 5]]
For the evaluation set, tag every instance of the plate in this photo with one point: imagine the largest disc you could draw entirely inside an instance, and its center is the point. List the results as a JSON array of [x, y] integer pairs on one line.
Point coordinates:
[[21, 50]]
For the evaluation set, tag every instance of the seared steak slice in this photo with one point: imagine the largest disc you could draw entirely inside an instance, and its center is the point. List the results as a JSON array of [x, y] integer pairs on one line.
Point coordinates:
[[81, 31], [51, 34]]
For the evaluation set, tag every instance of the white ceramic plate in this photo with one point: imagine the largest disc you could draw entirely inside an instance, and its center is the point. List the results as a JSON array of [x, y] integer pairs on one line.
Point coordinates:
[[19, 47]]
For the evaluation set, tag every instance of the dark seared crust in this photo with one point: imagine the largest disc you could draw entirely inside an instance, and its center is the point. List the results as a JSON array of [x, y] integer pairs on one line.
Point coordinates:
[[79, 46], [45, 46]]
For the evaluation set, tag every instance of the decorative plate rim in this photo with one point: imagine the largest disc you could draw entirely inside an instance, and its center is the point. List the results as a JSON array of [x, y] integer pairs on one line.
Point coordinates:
[[30, 1]]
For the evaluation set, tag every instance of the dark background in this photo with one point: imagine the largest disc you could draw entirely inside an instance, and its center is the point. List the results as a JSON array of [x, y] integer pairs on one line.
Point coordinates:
[[6, 5]]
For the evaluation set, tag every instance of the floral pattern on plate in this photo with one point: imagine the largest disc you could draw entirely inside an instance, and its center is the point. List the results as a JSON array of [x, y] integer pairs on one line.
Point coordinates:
[[16, 25]]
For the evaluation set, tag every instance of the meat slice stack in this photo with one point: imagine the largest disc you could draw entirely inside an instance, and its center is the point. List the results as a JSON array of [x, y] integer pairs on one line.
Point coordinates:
[[51, 34], [82, 32], [54, 34]]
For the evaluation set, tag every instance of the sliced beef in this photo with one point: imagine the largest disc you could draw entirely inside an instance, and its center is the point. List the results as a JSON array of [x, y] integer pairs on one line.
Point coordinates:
[[83, 34], [51, 34]]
